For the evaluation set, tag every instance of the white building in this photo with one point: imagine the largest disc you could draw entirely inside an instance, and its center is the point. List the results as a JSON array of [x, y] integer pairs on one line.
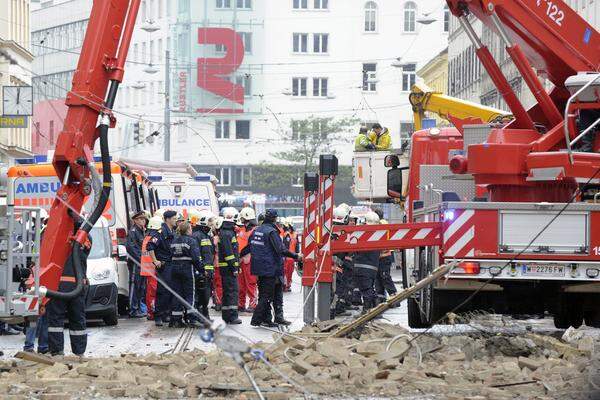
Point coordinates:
[[302, 58], [468, 79], [15, 66]]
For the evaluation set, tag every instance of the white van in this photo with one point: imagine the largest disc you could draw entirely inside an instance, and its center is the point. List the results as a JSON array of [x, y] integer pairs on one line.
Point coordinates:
[[102, 293]]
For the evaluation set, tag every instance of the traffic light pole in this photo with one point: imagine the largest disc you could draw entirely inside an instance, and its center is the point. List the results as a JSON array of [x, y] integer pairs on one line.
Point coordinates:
[[167, 126]]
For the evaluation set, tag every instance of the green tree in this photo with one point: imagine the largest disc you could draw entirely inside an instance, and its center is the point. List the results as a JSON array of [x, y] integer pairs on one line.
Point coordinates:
[[314, 136]]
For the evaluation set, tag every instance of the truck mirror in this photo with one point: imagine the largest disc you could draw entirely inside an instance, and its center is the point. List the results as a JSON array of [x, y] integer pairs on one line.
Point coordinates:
[[392, 161], [394, 182]]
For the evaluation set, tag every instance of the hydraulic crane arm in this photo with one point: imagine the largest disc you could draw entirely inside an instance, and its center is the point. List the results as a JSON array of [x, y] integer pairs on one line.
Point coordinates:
[[456, 111], [99, 71]]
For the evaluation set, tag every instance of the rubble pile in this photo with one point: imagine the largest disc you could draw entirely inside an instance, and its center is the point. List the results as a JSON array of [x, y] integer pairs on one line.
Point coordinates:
[[380, 361]]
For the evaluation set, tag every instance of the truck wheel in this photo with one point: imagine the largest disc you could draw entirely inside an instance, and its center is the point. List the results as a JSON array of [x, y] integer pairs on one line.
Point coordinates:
[[591, 312], [420, 310], [112, 318], [568, 312]]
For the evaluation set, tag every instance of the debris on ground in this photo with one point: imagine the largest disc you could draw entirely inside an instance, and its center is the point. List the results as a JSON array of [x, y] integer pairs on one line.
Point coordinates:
[[380, 360]]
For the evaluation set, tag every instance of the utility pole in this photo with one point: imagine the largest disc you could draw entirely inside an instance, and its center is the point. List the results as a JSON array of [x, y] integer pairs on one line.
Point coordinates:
[[167, 125]]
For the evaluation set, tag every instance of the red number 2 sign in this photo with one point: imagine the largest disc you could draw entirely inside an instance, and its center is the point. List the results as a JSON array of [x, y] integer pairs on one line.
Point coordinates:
[[213, 72]]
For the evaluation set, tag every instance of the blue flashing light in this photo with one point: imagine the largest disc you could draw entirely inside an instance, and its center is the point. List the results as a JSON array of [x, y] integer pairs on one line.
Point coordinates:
[[154, 178], [99, 159], [202, 178], [449, 215]]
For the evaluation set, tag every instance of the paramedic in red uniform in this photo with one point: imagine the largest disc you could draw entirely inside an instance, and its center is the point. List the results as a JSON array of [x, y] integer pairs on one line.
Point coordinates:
[[246, 281]]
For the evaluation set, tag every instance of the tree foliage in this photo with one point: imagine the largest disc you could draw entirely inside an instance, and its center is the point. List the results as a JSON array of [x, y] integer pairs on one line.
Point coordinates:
[[312, 137]]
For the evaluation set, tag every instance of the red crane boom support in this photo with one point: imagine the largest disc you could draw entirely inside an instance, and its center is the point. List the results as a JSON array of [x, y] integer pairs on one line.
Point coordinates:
[[101, 63]]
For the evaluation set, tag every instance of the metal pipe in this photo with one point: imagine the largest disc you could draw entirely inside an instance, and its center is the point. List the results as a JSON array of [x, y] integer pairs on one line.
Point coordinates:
[[567, 115], [126, 41]]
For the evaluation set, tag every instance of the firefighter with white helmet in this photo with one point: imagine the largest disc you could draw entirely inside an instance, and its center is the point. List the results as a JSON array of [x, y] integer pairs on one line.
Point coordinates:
[[366, 265], [246, 281], [343, 270], [229, 262], [202, 222]]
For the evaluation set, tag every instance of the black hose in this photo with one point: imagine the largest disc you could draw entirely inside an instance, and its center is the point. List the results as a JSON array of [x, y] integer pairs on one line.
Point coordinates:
[[76, 253]]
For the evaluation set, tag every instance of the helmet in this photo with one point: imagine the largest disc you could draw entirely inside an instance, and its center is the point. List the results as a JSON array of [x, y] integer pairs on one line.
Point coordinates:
[[42, 214], [247, 214], [340, 215], [180, 217], [383, 221], [194, 215], [261, 218], [346, 208], [207, 218], [230, 214], [160, 212], [219, 222], [371, 218], [155, 222], [148, 214]]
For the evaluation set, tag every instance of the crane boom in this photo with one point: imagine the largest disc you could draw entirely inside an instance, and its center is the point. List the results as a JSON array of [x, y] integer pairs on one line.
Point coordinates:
[[101, 64], [456, 111]]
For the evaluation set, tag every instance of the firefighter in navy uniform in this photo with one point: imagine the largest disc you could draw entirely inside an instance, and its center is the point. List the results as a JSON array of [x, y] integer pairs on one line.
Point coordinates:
[[202, 223], [343, 270], [366, 264], [229, 263], [137, 287], [159, 248], [268, 251], [73, 310], [186, 267], [384, 282]]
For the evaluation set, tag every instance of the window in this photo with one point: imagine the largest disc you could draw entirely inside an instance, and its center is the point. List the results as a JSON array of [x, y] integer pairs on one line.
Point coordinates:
[[222, 129], [160, 8], [151, 50], [407, 128], [446, 19], [223, 3], [222, 175], [410, 16], [144, 52], [371, 17], [247, 40], [369, 77], [181, 133], [320, 42], [300, 4], [246, 81], [409, 76], [320, 87], [38, 134], [136, 53], [319, 126], [51, 132], [300, 42], [159, 50], [144, 13], [247, 4], [298, 129], [321, 4], [299, 87], [242, 176], [242, 129]]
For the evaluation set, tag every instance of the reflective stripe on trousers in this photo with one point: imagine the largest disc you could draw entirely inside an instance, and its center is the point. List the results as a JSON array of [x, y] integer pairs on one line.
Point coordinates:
[[366, 266]]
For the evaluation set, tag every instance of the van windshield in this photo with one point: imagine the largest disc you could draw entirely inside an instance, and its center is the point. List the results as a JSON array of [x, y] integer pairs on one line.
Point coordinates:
[[100, 238]]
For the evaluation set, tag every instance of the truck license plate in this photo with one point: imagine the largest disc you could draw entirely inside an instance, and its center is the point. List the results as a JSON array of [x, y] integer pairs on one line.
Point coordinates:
[[544, 270]]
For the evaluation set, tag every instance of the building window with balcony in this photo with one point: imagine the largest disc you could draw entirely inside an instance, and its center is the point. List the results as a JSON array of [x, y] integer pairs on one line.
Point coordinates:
[[369, 77], [410, 17], [222, 129], [242, 176], [300, 4], [321, 4], [300, 42], [409, 76], [371, 17], [182, 133], [446, 19], [223, 175], [320, 87], [223, 3], [320, 43], [299, 87]]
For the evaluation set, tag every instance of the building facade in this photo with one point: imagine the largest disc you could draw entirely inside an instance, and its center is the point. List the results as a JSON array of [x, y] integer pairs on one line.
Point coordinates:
[[435, 75], [15, 67], [468, 79]]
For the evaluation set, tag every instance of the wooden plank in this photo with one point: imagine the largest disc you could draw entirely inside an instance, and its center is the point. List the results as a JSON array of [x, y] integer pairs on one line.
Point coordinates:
[[35, 357], [400, 296]]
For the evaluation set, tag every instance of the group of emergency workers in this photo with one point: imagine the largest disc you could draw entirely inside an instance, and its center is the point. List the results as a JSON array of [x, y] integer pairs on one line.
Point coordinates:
[[377, 139], [204, 257], [362, 278]]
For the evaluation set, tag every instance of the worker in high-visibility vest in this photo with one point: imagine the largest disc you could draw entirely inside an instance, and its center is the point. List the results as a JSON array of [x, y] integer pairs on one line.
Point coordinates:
[[202, 224], [147, 269], [362, 141], [380, 137], [137, 287], [229, 263], [246, 281]]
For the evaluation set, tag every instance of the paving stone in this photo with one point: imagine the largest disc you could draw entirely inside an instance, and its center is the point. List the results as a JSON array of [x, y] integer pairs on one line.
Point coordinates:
[[531, 364]]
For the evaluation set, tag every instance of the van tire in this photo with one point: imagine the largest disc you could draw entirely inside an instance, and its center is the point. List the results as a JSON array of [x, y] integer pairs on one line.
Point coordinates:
[[112, 318]]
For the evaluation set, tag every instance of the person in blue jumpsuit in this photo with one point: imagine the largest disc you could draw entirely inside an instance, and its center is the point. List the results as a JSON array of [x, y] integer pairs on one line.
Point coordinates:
[[186, 267], [229, 263], [366, 265], [268, 251], [159, 248], [203, 235]]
